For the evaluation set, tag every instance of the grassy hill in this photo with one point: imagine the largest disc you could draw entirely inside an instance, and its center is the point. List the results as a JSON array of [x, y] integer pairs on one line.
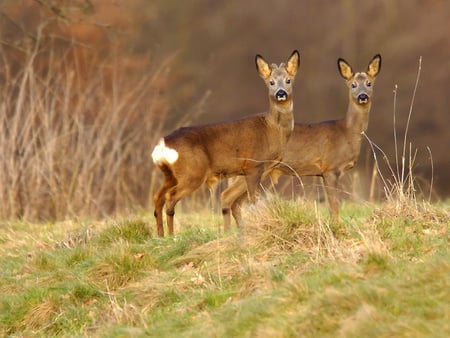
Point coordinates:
[[384, 271]]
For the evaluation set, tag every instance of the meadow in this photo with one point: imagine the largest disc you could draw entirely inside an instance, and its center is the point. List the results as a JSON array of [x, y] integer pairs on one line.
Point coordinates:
[[79, 255], [382, 271]]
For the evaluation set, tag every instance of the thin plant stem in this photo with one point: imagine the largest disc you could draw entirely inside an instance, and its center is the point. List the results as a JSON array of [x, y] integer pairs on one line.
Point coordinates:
[[395, 130], [432, 173], [409, 118]]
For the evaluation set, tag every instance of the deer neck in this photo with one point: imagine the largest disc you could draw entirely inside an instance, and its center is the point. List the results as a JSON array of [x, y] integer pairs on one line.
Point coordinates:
[[282, 115], [357, 118]]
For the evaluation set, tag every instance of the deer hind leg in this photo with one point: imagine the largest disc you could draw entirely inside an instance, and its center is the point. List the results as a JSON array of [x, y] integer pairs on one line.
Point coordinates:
[[331, 181], [160, 200], [184, 187]]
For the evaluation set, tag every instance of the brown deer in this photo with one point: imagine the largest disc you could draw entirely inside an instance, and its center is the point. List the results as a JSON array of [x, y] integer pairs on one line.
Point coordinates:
[[327, 148], [192, 156]]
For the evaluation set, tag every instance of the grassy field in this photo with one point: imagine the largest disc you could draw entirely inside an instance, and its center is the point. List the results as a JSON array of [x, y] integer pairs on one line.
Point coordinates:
[[384, 271]]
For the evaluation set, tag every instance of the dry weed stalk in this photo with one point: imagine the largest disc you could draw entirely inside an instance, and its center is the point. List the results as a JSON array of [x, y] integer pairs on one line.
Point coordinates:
[[400, 187]]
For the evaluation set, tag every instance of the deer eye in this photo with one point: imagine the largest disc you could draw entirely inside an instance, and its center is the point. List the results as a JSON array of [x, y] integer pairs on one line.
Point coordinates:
[[353, 85], [272, 82], [288, 81], [369, 84]]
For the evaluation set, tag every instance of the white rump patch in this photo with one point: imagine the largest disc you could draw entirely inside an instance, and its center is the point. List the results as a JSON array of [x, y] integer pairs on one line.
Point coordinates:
[[163, 154]]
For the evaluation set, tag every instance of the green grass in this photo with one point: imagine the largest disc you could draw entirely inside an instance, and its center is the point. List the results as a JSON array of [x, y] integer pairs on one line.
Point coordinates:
[[290, 272]]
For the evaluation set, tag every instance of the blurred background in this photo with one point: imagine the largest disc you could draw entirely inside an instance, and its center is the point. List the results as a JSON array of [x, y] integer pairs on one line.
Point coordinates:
[[89, 86]]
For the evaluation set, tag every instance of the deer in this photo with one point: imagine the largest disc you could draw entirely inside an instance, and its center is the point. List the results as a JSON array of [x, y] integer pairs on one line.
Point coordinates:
[[193, 156], [329, 148]]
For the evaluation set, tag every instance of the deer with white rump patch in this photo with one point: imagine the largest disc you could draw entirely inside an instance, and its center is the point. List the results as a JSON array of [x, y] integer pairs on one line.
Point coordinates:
[[192, 156], [327, 148]]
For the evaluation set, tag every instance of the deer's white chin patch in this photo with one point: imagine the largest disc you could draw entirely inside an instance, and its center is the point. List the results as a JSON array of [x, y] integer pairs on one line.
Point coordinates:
[[163, 154], [363, 101]]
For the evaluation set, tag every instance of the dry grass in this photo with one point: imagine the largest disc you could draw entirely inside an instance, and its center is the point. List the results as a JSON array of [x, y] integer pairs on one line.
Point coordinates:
[[76, 142], [278, 226], [40, 315]]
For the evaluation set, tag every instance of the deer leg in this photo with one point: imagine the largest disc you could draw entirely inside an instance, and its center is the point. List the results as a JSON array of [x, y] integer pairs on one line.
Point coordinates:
[[184, 186], [253, 181], [160, 200], [159, 204], [170, 213], [236, 209], [237, 204], [331, 180], [172, 198], [233, 197], [228, 198]]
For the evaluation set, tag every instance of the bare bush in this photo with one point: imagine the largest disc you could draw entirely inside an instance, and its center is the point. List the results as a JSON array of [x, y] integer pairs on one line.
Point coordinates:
[[76, 142]]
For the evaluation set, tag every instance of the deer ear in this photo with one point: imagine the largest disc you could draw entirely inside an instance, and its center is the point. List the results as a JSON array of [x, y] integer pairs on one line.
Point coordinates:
[[374, 66], [263, 67], [293, 63], [345, 69]]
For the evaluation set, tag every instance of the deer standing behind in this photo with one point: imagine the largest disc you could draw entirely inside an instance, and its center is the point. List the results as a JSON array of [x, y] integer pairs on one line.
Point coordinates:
[[327, 148], [192, 156]]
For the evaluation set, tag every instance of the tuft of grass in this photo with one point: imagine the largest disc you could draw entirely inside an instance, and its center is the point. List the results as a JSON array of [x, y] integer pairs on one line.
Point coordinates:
[[178, 246], [136, 230], [119, 265], [375, 263], [286, 224]]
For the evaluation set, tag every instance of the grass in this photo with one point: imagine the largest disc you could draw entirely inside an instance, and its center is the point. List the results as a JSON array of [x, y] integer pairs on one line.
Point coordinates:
[[289, 272]]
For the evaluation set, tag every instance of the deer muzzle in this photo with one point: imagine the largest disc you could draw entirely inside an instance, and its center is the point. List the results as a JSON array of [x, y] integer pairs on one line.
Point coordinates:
[[281, 95], [363, 98]]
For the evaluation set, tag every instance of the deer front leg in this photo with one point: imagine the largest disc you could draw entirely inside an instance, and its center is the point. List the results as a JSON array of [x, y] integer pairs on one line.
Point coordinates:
[[228, 199], [331, 180], [252, 182], [253, 179], [236, 208]]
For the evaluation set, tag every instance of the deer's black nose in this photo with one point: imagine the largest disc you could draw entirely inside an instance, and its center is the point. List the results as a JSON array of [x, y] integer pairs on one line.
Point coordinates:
[[363, 98], [281, 95]]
